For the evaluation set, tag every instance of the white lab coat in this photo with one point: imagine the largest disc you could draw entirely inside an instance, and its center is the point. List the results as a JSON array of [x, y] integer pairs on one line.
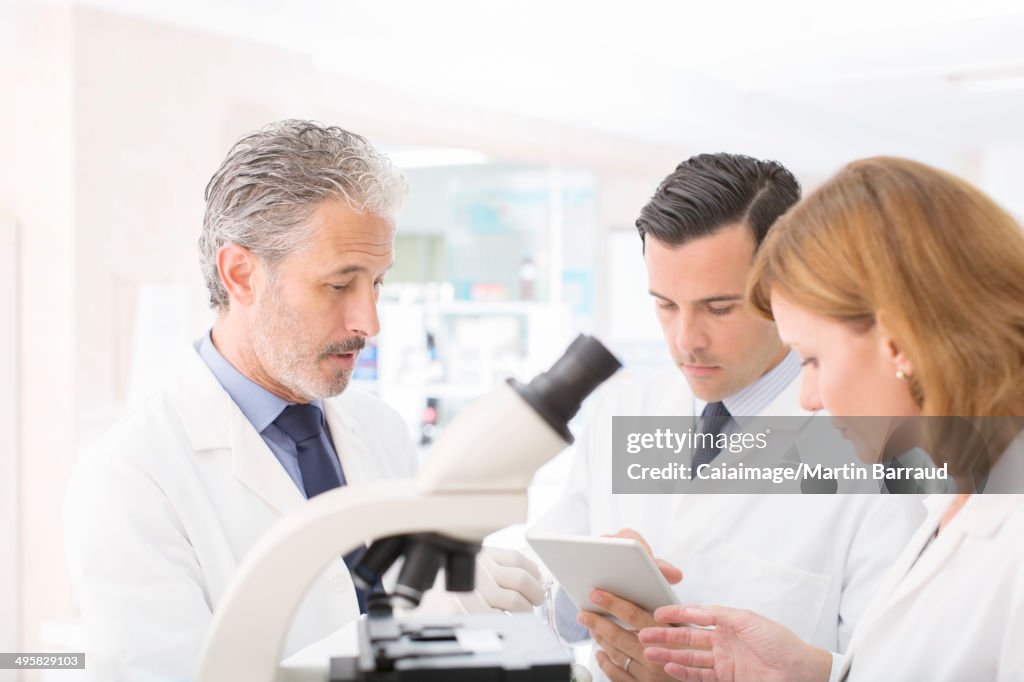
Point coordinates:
[[957, 612], [810, 562], [162, 511]]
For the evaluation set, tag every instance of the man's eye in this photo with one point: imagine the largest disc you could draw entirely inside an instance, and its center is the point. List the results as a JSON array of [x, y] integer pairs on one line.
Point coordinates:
[[338, 287], [720, 311]]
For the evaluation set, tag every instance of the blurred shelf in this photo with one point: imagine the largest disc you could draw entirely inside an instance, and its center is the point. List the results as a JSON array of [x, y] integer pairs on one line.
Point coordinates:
[[456, 391]]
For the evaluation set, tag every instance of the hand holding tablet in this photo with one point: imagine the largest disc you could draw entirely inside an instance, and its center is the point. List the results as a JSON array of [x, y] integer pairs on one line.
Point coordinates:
[[620, 566]]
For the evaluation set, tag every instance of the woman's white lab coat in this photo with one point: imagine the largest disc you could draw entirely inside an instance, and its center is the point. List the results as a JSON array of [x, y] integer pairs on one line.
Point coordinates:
[[163, 509], [957, 612]]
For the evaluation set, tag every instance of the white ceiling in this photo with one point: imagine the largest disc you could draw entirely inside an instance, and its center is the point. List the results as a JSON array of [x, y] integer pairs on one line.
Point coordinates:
[[811, 82]]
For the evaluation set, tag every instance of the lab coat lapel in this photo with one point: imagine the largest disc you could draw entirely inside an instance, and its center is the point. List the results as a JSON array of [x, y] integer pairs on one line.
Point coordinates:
[[256, 467], [348, 443], [892, 587], [981, 516], [928, 564], [213, 422]]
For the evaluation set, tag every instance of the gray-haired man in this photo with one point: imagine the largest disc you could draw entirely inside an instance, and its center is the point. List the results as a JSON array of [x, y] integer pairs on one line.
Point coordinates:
[[297, 237]]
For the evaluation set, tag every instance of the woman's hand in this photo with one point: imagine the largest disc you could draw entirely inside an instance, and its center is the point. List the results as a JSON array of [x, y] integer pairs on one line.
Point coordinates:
[[731, 645]]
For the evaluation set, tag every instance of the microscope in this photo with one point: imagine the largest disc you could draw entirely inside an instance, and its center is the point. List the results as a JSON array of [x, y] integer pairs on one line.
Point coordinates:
[[473, 483]]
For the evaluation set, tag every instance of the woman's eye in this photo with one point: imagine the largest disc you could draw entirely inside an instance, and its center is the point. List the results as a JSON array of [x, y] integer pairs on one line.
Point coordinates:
[[812, 362]]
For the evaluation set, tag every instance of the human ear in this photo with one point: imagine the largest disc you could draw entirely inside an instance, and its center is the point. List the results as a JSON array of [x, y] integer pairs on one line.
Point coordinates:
[[891, 350], [236, 265]]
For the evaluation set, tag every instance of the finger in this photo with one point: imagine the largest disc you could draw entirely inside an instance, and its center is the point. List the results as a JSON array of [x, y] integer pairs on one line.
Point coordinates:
[[497, 596], [672, 573], [514, 559], [518, 580], [631, 534], [509, 600], [614, 637], [624, 610], [692, 615], [687, 638], [610, 668], [682, 672], [472, 602], [690, 658]]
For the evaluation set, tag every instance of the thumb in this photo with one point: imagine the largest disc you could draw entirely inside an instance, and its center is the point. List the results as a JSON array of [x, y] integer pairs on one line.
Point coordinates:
[[672, 574]]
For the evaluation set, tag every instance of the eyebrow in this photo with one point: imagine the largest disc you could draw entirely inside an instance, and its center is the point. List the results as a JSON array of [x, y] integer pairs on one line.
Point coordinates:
[[724, 298]]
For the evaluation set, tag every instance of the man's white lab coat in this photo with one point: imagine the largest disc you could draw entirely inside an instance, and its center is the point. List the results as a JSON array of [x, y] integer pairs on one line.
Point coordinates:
[[163, 509]]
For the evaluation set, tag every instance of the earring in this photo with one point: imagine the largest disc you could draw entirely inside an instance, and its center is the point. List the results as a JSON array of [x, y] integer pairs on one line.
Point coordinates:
[[901, 375]]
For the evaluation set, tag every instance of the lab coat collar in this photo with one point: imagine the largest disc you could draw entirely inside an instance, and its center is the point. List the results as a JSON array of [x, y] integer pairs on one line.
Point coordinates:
[[345, 430], [202, 403], [984, 513], [981, 516], [213, 422]]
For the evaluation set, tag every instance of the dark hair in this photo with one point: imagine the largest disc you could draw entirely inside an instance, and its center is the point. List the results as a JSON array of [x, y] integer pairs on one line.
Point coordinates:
[[710, 191]]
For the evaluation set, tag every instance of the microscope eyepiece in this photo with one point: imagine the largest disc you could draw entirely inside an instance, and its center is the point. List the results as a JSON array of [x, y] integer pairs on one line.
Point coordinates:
[[557, 394]]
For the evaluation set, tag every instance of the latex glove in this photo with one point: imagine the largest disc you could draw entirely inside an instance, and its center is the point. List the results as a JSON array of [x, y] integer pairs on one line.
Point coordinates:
[[505, 581], [581, 674]]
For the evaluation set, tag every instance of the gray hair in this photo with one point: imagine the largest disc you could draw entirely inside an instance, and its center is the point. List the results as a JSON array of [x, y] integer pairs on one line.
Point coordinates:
[[273, 179]]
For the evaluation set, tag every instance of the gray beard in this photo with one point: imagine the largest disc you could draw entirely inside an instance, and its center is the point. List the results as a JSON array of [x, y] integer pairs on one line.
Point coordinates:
[[287, 354]]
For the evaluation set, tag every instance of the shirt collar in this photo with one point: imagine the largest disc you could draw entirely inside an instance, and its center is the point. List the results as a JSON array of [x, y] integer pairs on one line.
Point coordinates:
[[753, 398], [260, 406]]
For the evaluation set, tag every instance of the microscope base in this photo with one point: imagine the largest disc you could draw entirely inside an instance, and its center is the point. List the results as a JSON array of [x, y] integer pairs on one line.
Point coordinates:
[[473, 648]]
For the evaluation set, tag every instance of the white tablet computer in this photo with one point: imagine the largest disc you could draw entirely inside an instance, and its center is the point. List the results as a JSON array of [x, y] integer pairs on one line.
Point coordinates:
[[617, 565]]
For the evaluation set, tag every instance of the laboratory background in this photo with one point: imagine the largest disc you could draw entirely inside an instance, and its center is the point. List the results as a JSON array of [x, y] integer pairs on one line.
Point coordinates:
[[531, 134]]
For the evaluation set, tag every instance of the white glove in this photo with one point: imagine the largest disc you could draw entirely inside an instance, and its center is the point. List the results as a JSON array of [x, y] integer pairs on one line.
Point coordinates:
[[580, 673], [505, 581]]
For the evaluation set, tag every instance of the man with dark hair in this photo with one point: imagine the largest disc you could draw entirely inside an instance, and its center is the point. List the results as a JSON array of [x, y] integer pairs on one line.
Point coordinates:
[[813, 562], [699, 234], [710, 191]]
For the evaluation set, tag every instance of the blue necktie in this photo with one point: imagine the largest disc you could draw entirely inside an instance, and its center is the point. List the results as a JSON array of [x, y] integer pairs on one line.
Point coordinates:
[[713, 421], [305, 425]]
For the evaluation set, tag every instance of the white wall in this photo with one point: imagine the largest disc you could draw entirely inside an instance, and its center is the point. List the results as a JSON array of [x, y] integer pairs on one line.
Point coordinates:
[[36, 191], [9, 531]]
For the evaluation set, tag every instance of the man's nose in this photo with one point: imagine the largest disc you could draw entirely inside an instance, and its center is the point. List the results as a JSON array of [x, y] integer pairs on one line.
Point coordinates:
[[690, 334], [362, 318]]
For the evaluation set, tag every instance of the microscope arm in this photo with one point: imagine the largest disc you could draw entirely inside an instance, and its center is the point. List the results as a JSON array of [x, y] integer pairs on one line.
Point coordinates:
[[250, 624]]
